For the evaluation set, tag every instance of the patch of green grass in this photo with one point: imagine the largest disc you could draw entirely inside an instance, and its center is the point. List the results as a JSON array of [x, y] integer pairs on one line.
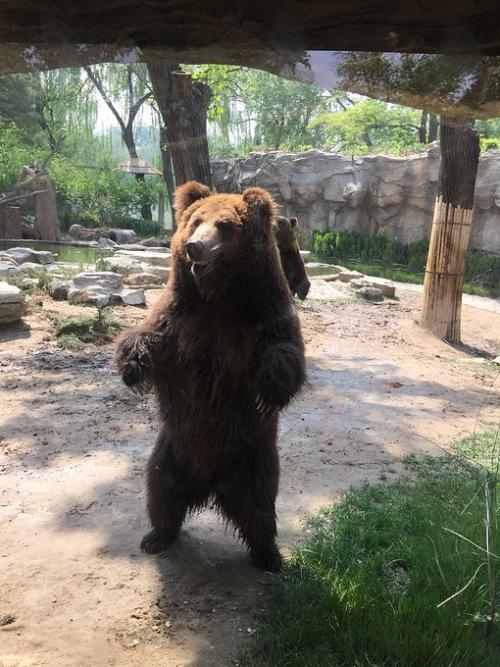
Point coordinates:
[[97, 329], [365, 588], [401, 275], [70, 342], [44, 279]]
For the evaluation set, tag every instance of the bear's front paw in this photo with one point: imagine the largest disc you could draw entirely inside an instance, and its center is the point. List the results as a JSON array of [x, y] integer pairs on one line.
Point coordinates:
[[132, 374], [154, 543], [264, 408], [269, 560]]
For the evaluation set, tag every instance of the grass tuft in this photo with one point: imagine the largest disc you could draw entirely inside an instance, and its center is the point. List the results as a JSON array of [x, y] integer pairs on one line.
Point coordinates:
[[73, 332]]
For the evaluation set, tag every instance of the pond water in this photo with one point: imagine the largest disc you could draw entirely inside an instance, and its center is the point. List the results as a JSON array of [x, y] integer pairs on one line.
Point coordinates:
[[63, 253]]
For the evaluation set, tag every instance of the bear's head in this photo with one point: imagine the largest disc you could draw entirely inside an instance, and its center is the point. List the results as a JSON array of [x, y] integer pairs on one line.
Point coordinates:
[[291, 259], [217, 234]]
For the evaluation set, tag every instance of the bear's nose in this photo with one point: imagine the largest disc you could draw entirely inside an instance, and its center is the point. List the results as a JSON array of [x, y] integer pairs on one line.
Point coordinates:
[[195, 250]]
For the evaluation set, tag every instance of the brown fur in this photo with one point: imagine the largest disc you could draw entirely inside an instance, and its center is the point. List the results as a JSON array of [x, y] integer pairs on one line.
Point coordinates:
[[223, 349], [291, 259]]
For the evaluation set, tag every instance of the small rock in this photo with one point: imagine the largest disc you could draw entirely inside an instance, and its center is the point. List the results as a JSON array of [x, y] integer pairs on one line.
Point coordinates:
[[313, 266], [139, 279], [496, 360], [122, 235], [359, 283], [157, 258], [388, 289], [370, 293], [96, 295], [33, 269], [29, 283], [103, 243], [8, 269], [156, 242], [8, 259], [108, 279], [160, 271], [347, 276], [58, 290], [126, 266], [132, 297]]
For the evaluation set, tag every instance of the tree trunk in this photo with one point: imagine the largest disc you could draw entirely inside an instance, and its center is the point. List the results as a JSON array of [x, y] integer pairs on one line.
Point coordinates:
[[12, 223], [47, 222], [422, 130], [183, 104], [444, 274], [145, 206], [433, 127], [168, 172]]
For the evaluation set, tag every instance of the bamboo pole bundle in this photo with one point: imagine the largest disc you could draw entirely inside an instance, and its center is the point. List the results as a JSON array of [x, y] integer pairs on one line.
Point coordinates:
[[451, 227]]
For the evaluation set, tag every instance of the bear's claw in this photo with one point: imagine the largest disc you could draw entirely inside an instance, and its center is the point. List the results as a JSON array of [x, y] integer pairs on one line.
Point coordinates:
[[264, 409]]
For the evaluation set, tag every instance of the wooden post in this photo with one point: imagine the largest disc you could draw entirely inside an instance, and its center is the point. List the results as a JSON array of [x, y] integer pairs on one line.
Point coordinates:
[[451, 225], [47, 222], [161, 211], [12, 223]]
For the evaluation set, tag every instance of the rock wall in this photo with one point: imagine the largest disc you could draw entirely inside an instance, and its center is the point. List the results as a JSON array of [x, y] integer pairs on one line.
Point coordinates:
[[376, 194]]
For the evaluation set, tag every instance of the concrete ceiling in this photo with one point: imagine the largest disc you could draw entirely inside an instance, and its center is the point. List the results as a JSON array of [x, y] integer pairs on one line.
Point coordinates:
[[311, 40]]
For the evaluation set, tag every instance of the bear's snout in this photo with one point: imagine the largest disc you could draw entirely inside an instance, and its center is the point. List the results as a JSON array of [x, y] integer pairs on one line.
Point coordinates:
[[196, 251]]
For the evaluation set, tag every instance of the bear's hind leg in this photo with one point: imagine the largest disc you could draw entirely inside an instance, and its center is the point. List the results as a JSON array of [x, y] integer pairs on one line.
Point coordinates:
[[248, 500], [167, 500]]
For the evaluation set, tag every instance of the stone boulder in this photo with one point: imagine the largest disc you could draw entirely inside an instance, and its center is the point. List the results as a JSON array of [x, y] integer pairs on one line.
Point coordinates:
[[33, 269], [105, 244], [12, 303], [161, 271], [346, 276], [147, 256], [22, 255], [156, 242], [370, 293], [107, 279], [8, 266], [58, 290], [103, 288], [142, 279], [126, 266], [122, 235], [81, 233], [388, 289]]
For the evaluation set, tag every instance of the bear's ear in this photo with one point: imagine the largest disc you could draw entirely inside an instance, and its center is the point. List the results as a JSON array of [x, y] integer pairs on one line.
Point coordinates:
[[188, 193], [293, 222], [260, 206]]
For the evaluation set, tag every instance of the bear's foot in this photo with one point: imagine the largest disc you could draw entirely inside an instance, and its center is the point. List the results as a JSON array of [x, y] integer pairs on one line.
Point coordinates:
[[154, 542], [269, 560], [132, 374]]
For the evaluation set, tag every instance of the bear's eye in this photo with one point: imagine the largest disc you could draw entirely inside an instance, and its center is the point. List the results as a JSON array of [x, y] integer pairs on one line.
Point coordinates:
[[224, 224], [196, 222]]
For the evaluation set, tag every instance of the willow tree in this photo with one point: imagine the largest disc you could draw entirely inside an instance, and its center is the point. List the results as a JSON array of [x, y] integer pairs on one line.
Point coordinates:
[[451, 226], [136, 96]]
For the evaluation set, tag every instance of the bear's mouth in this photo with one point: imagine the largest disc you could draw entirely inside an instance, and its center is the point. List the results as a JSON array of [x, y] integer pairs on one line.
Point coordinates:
[[199, 268]]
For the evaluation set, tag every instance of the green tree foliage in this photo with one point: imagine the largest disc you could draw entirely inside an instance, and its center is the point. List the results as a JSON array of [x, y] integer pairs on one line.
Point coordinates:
[[370, 126], [255, 109]]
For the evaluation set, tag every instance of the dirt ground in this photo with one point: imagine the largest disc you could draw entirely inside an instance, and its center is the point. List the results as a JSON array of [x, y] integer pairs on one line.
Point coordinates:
[[74, 587]]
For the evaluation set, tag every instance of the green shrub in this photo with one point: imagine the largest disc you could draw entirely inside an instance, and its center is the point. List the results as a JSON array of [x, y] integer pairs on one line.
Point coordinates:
[[481, 268]]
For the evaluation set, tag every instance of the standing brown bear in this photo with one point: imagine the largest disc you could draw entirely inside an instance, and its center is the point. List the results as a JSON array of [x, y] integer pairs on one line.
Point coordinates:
[[223, 349]]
